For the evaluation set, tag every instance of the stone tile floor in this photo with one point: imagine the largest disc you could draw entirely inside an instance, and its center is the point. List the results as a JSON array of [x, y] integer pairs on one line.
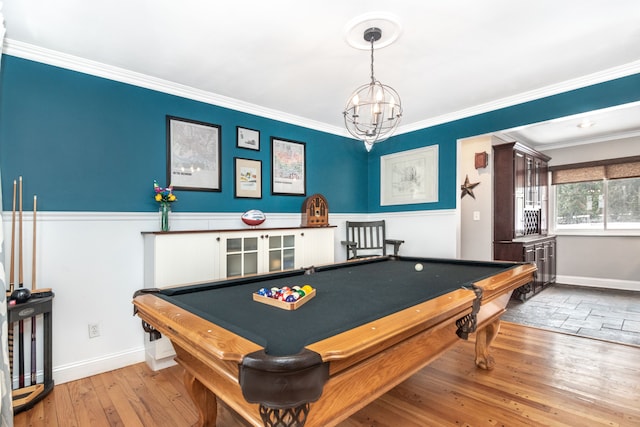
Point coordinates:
[[611, 315]]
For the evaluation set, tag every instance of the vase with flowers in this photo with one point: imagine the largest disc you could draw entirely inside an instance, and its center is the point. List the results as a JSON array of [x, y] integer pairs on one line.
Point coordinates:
[[165, 197]]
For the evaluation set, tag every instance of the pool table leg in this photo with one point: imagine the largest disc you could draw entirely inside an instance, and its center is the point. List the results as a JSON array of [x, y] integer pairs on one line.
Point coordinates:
[[484, 338], [289, 417], [204, 400]]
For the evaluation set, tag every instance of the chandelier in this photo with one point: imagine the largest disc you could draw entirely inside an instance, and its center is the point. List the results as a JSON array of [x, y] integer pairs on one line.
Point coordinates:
[[374, 110]]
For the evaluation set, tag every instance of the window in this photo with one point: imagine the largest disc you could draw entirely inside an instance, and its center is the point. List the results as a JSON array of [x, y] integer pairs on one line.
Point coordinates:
[[598, 196], [624, 203], [580, 205]]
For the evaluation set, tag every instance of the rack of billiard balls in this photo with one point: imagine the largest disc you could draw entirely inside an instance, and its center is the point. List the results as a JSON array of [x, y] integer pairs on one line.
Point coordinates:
[[287, 298]]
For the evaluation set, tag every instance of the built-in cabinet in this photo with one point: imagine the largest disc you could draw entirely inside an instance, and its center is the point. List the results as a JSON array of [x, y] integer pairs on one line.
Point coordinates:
[[180, 257], [521, 204], [520, 192], [540, 251]]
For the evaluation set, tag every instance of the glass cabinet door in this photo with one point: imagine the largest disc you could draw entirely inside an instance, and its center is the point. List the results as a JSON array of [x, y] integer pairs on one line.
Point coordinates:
[[529, 185], [242, 256], [281, 252], [520, 189]]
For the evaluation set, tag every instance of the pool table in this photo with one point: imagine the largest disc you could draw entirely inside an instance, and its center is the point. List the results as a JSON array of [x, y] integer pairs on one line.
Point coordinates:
[[371, 324]]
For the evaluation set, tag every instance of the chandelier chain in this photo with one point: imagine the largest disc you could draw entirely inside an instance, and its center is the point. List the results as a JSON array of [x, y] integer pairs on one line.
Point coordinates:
[[373, 79]]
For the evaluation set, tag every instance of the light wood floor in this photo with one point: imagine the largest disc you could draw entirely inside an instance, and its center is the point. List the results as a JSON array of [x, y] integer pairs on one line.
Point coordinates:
[[541, 378]]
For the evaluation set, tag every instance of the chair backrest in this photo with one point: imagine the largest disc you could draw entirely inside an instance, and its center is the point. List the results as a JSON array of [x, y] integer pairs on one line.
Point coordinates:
[[369, 237]]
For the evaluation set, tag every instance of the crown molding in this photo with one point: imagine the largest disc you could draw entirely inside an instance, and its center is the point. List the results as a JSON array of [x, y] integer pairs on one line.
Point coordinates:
[[98, 69], [566, 86], [74, 63], [584, 141]]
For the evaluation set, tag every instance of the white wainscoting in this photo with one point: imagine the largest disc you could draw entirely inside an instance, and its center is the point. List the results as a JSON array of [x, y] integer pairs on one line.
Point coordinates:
[[93, 261], [426, 233]]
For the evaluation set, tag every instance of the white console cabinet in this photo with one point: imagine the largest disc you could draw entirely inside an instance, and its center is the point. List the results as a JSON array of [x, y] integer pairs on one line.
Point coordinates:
[[182, 257]]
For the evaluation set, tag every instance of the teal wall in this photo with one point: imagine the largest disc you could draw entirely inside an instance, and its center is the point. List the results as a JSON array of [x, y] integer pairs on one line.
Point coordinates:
[[84, 143], [614, 92]]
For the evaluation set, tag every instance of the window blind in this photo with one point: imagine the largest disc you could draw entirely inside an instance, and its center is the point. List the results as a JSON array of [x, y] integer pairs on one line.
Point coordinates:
[[627, 167]]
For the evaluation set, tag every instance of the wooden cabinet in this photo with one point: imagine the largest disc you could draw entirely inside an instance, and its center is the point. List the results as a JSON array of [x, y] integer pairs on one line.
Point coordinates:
[[520, 192], [520, 223], [541, 251]]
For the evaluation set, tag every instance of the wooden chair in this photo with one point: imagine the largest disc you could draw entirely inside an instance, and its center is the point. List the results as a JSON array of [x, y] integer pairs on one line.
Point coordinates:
[[368, 238]]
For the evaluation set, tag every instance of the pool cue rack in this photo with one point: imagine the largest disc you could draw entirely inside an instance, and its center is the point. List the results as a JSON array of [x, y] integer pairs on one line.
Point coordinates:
[[40, 304], [24, 307]]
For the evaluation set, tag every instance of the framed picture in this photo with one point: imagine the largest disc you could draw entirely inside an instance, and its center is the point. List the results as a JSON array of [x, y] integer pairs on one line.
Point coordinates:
[[247, 138], [409, 177], [288, 167], [193, 155], [248, 178]]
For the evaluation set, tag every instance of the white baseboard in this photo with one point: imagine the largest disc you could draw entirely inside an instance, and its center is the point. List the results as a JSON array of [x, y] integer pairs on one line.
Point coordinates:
[[597, 282], [87, 368]]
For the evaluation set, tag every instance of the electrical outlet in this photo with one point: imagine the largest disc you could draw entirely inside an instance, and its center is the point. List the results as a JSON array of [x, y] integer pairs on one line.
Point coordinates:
[[94, 330]]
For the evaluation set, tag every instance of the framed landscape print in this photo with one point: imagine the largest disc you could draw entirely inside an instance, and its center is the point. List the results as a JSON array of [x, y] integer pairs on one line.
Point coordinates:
[[247, 138], [248, 178], [193, 155], [288, 167], [409, 177]]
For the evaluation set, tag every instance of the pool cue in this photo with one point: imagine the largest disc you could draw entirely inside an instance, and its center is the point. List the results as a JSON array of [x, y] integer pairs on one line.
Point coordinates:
[[33, 287], [13, 241], [20, 284], [12, 275]]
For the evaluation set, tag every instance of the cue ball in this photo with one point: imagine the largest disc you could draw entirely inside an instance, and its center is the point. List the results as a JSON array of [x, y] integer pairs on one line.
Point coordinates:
[[418, 267]]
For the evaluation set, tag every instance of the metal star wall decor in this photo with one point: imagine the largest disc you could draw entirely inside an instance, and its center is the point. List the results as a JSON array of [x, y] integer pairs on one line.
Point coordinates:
[[467, 188]]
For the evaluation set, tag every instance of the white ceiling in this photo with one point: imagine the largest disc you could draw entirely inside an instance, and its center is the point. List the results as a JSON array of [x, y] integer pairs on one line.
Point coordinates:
[[618, 122], [451, 58]]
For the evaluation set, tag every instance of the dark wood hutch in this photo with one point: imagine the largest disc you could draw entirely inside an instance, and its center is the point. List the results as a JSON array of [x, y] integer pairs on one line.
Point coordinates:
[[521, 205]]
